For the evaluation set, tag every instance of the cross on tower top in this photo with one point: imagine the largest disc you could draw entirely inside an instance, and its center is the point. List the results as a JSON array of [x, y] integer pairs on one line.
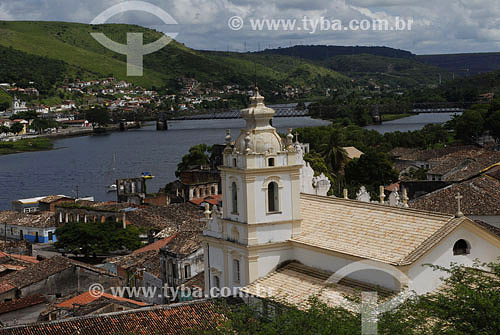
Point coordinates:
[[459, 197]]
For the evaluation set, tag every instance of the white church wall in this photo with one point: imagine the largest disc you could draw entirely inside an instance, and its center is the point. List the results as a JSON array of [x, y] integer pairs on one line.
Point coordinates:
[[425, 279], [270, 259], [285, 203], [331, 263], [228, 210], [216, 261], [242, 231], [274, 233], [236, 254]]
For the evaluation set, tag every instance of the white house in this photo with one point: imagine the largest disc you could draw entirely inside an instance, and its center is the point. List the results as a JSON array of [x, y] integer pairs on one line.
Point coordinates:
[[18, 106], [270, 235]]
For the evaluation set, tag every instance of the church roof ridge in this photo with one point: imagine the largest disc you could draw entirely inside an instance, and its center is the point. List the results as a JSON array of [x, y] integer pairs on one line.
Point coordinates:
[[376, 205]]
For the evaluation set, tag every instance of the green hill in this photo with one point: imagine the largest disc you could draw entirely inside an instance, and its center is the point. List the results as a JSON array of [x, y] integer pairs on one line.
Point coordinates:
[[324, 52], [464, 64], [382, 64], [405, 72], [84, 57]]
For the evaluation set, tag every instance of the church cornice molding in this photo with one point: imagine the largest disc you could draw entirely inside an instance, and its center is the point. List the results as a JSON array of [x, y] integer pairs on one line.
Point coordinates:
[[263, 171]]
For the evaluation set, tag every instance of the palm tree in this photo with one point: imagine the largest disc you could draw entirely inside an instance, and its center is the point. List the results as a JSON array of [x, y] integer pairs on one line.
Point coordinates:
[[333, 153]]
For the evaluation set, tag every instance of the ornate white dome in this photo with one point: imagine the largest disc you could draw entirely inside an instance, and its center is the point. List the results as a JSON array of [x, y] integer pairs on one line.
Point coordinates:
[[258, 135]]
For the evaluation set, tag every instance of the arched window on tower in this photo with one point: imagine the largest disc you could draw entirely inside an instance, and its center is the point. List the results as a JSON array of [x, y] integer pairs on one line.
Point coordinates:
[[236, 270], [216, 281], [234, 198], [187, 271], [272, 197], [461, 247]]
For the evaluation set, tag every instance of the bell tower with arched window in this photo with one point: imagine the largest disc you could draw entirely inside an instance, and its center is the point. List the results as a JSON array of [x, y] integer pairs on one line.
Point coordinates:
[[260, 180]]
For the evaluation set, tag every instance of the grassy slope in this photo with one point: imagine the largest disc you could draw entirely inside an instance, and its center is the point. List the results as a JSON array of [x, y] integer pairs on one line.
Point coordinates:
[[4, 97], [72, 43], [50, 39], [33, 144]]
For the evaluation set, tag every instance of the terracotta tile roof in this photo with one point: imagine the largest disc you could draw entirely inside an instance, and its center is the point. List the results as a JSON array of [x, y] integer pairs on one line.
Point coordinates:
[[51, 198], [155, 245], [481, 196], [211, 199], [197, 281], [295, 283], [372, 231], [6, 287], [148, 260], [171, 218], [14, 305], [464, 164], [86, 298], [392, 187], [411, 154], [48, 267], [175, 319], [185, 243], [22, 259], [25, 258], [11, 267], [38, 220]]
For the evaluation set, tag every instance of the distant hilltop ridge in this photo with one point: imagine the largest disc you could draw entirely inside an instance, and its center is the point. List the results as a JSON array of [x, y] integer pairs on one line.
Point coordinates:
[[462, 64], [69, 51]]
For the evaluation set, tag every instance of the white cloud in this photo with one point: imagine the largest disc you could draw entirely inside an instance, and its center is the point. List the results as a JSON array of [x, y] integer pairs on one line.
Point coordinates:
[[439, 26]]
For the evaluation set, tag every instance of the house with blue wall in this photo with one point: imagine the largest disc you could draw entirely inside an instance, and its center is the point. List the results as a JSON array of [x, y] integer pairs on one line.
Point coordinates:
[[33, 227]]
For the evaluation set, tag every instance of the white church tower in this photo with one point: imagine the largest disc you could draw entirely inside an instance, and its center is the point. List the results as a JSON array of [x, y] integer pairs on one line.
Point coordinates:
[[246, 239]]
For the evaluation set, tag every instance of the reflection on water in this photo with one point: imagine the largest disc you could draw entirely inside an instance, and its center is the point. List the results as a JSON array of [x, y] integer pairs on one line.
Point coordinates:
[[411, 123]]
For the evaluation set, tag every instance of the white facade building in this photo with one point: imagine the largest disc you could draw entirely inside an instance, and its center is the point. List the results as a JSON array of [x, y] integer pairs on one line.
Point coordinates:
[[270, 235], [18, 106]]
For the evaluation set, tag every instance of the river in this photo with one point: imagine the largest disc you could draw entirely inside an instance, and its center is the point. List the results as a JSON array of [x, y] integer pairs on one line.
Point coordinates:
[[86, 162]]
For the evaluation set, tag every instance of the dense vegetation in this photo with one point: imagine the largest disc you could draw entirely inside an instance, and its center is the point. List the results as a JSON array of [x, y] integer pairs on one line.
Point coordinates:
[[397, 68], [96, 238], [468, 303], [22, 68], [396, 72]]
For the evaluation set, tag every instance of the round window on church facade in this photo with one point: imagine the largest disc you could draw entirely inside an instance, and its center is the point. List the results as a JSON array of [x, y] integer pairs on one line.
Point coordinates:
[[461, 247]]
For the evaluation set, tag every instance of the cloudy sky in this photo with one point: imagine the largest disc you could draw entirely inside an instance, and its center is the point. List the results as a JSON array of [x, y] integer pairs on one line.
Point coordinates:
[[439, 26]]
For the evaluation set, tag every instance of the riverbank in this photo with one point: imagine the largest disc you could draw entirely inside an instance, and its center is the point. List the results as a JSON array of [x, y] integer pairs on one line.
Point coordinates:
[[43, 142], [392, 117], [68, 132], [26, 145]]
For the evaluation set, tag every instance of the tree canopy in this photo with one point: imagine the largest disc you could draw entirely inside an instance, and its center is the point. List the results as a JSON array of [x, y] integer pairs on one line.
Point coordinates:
[[198, 155], [98, 116], [96, 238], [16, 128]]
